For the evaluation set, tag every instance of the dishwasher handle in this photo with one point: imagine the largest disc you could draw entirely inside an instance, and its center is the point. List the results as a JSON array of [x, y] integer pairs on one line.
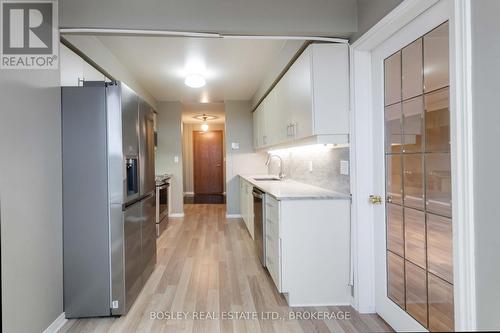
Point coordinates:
[[257, 193]]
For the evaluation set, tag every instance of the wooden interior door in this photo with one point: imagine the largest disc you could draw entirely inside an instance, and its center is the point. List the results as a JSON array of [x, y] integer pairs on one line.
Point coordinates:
[[208, 162]]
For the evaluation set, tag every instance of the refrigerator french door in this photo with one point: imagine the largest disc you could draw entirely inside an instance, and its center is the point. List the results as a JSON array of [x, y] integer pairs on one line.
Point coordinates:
[[108, 198]]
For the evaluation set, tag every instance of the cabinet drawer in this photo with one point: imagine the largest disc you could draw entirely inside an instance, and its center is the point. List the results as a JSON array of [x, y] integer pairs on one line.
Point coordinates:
[[273, 261], [272, 212], [272, 227], [272, 245], [271, 201]]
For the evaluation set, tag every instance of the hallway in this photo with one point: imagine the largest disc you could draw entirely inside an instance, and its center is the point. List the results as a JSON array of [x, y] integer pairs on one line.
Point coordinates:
[[207, 266]]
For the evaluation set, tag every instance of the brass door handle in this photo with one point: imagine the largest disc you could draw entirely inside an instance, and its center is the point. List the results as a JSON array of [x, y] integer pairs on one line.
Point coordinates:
[[375, 199]]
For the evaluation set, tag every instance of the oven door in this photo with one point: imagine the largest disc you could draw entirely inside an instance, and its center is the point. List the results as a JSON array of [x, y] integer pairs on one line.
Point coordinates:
[[161, 202]]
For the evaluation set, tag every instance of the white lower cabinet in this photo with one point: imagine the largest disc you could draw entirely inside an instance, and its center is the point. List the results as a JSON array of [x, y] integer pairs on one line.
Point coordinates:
[[246, 205], [307, 250], [273, 247]]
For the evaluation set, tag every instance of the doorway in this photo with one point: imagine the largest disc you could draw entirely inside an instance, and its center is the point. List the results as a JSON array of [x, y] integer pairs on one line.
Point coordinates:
[[204, 153], [207, 162]]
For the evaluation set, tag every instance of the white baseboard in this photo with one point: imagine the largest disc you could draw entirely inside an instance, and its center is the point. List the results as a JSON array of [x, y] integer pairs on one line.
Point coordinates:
[[56, 324], [233, 216], [307, 305], [176, 215]]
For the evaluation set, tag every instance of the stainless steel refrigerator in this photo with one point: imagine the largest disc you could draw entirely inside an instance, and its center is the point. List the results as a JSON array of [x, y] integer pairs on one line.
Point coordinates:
[[108, 198]]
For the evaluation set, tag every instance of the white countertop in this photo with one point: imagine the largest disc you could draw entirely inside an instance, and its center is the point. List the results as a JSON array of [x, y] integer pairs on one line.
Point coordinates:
[[289, 189]]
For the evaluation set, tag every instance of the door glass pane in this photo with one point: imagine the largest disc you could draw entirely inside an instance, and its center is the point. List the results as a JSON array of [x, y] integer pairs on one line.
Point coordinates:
[[393, 128], [437, 121], [396, 279], [416, 292], [439, 246], [392, 72], [411, 63], [413, 181], [415, 236], [438, 183], [436, 55], [395, 240], [413, 112], [394, 179], [441, 318]]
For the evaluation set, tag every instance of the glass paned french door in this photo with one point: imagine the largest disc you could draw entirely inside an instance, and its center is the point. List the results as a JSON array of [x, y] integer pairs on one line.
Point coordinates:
[[418, 180]]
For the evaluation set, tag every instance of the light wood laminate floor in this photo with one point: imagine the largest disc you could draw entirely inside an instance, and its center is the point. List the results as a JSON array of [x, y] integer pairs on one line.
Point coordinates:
[[207, 265]]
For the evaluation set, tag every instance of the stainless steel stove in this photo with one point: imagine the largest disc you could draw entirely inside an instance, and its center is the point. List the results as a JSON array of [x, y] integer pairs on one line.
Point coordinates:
[[162, 202]]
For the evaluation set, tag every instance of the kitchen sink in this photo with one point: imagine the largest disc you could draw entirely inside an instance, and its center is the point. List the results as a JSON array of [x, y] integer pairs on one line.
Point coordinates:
[[267, 179]]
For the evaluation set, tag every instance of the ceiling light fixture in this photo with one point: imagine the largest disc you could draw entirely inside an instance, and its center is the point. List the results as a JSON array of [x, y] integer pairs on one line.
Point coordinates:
[[204, 117], [195, 81]]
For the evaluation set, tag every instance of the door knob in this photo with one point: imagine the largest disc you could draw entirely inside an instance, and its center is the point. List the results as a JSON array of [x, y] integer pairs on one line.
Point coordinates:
[[375, 199]]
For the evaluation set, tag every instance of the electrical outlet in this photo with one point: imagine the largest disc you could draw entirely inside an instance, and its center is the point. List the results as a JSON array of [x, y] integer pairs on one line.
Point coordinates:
[[344, 168]]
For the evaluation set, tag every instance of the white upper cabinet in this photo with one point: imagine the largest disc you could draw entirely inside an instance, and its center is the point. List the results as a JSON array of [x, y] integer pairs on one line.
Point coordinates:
[[310, 103], [299, 96]]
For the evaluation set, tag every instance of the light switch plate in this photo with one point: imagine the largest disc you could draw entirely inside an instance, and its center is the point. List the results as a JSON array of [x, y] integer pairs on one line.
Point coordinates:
[[344, 168], [235, 145]]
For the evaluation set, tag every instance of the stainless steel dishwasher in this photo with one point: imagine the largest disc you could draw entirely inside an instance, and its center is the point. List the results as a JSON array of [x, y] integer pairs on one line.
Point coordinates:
[[259, 225]]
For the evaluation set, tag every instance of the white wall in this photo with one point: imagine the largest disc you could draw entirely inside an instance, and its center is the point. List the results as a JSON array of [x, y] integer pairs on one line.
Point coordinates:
[[244, 160], [74, 69], [169, 126], [101, 55], [31, 199], [187, 152], [370, 12], [302, 17], [486, 119]]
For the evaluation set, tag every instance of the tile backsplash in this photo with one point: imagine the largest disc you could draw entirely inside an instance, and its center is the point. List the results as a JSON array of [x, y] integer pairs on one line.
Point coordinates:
[[325, 163]]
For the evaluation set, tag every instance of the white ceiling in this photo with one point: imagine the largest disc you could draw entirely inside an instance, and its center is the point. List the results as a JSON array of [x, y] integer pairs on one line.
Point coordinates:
[[233, 68]]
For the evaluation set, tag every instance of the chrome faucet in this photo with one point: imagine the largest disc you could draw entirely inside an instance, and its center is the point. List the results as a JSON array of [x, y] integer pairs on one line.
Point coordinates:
[[281, 175]]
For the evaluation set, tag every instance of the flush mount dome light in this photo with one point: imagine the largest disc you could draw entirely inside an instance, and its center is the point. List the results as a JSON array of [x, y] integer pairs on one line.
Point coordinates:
[[195, 81], [204, 127]]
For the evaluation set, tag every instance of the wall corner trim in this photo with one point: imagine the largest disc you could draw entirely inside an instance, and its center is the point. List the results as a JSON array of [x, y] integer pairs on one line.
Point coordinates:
[[57, 324]]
